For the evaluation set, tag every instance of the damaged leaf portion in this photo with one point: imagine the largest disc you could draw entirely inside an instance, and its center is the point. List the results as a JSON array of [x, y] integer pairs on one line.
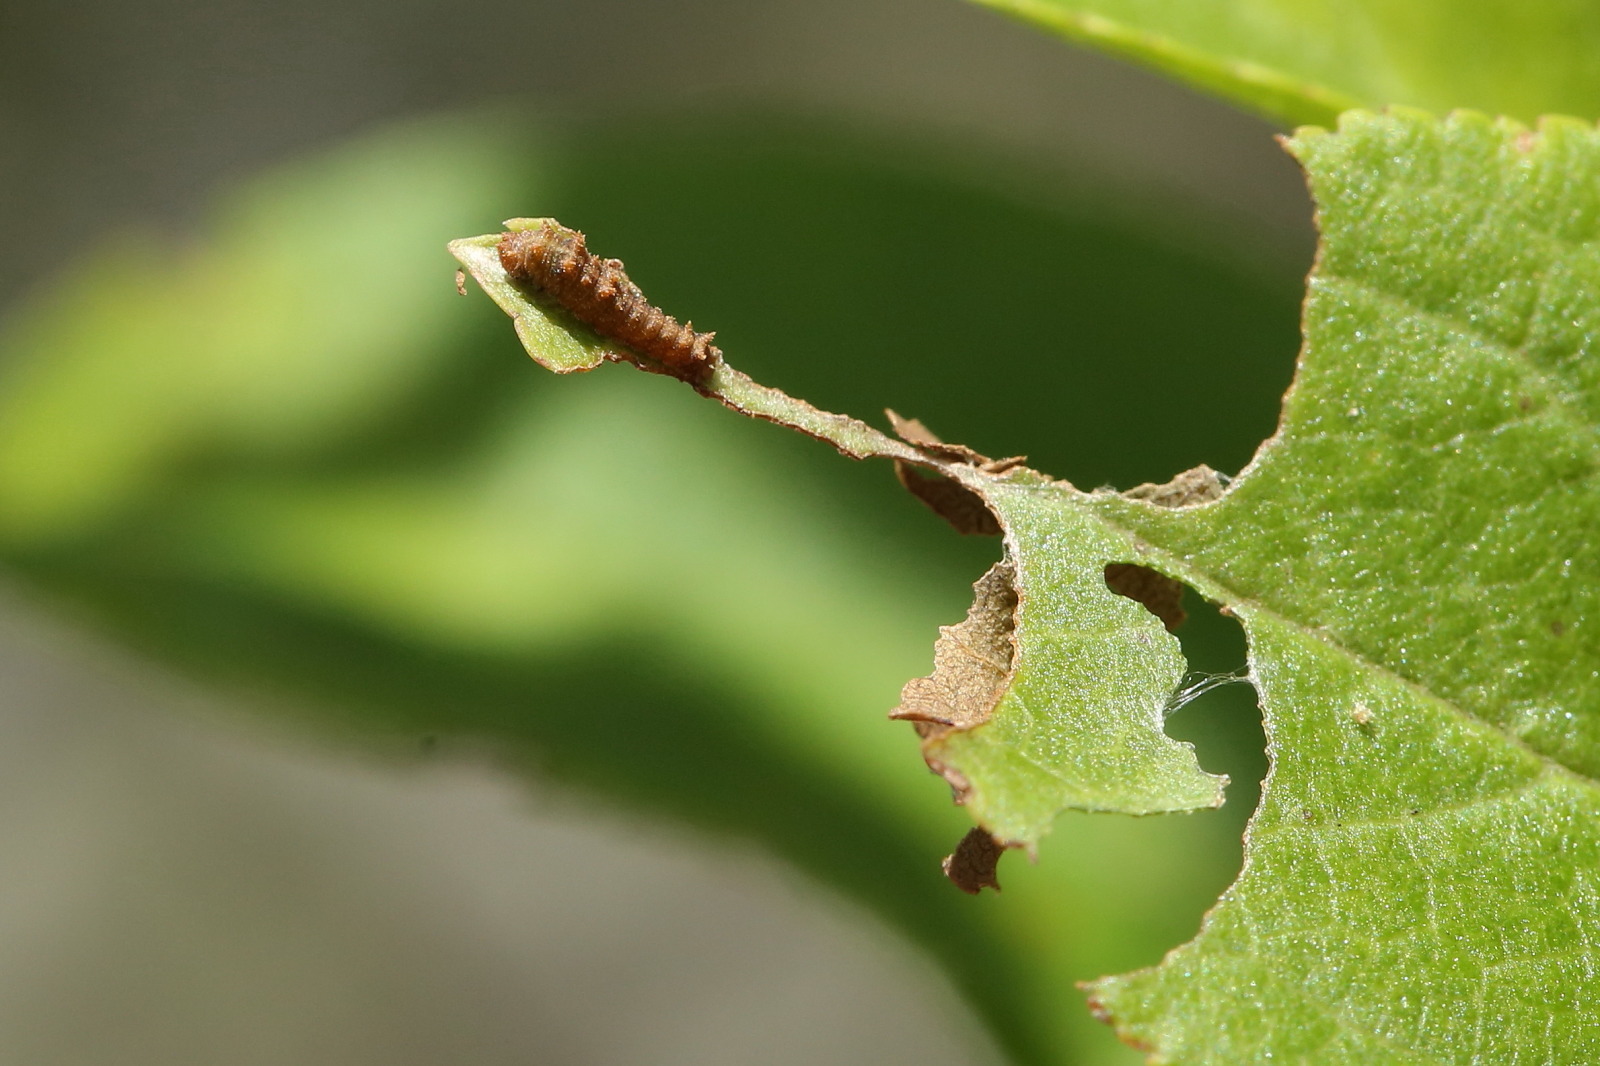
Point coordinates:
[[972, 867], [1153, 590], [1192, 487], [1412, 559], [950, 500], [1079, 721], [963, 508], [1074, 717], [971, 664], [1161, 595], [1417, 890], [1080, 725]]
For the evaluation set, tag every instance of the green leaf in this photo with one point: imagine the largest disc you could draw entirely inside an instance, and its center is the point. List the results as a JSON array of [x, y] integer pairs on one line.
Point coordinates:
[[1303, 62], [564, 346], [1410, 558], [1092, 674]]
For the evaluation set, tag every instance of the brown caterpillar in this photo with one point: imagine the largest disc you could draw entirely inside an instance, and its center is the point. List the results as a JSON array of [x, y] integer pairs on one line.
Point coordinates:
[[598, 293]]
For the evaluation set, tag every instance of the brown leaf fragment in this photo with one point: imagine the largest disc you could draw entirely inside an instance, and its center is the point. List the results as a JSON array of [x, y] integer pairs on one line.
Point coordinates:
[[971, 662], [1161, 595], [955, 503], [1000, 466], [971, 671], [1200, 485], [971, 867], [912, 431], [950, 500]]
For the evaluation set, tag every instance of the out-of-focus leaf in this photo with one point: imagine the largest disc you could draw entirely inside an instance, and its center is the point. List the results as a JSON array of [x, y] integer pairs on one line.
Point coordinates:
[[279, 339], [1304, 62], [1410, 560]]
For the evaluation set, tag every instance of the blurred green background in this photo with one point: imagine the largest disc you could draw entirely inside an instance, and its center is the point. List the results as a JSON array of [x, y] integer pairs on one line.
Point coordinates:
[[468, 706]]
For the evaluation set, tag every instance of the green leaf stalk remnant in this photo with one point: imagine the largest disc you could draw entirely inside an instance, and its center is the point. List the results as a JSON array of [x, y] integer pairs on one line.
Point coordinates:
[[1411, 559]]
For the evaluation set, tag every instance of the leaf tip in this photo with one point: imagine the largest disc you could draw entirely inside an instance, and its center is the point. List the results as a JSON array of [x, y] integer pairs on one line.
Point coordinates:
[[518, 225]]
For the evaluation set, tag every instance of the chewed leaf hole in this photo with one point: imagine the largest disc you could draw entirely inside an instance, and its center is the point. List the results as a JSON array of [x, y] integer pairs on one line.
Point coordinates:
[[1214, 706], [1161, 595]]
